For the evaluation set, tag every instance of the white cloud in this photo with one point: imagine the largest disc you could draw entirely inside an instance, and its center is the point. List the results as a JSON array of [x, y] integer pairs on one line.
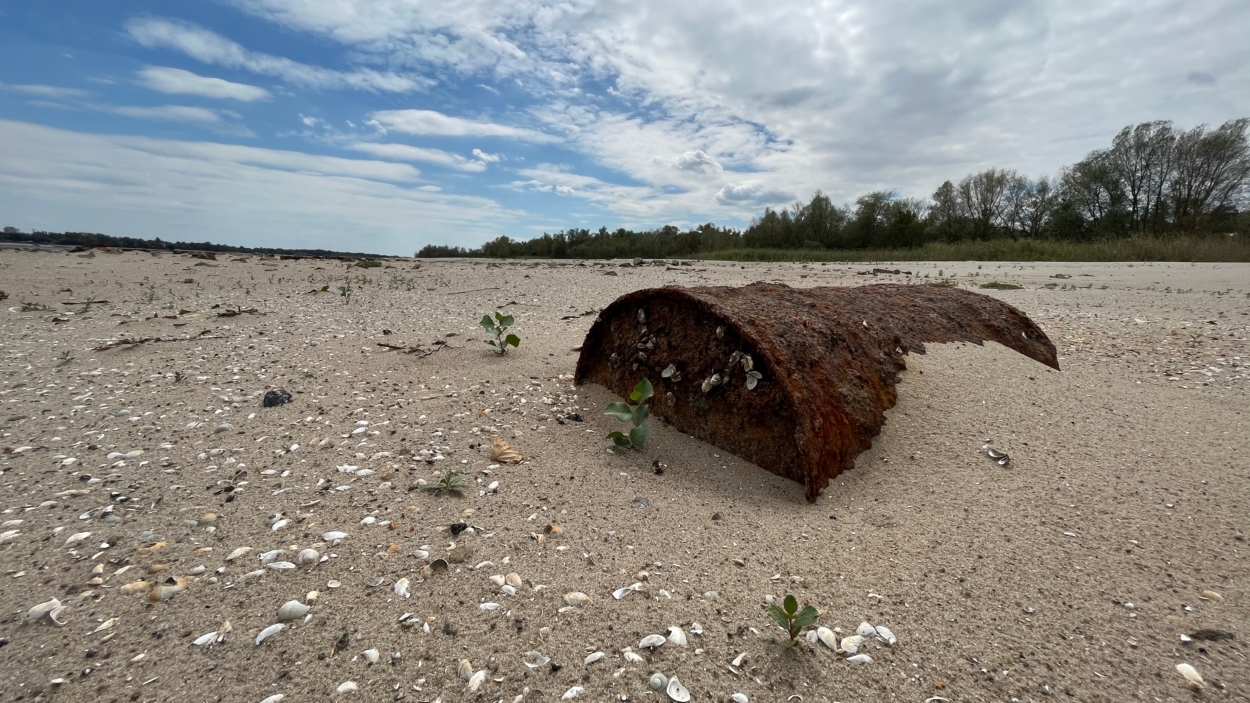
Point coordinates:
[[405, 152], [179, 82], [431, 123], [751, 193], [45, 91], [483, 156], [171, 113], [211, 48], [194, 191], [697, 161]]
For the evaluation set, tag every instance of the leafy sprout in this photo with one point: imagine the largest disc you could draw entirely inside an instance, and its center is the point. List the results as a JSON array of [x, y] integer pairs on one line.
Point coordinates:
[[499, 327], [636, 414], [789, 618], [450, 482]]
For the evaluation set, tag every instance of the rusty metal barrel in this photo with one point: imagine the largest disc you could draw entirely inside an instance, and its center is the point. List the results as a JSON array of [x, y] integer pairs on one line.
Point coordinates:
[[795, 380]]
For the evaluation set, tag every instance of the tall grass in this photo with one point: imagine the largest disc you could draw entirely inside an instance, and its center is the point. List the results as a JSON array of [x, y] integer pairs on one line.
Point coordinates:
[[1204, 248]]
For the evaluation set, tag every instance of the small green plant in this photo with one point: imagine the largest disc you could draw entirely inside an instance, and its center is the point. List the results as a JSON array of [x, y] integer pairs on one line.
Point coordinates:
[[499, 327], [789, 618], [995, 285], [450, 482], [345, 290], [637, 415], [178, 377], [35, 307], [65, 357], [86, 307], [368, 263]]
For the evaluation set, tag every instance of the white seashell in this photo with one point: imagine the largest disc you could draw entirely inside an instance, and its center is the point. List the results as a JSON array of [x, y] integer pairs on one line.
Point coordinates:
[[370, 655], [238, 553], [488, 606], [49, 610], [464, 669], [860, 659], [676, 691], [253, 575], [292, 610], [494, 486], [9, 535], [280, 524], [576, 599], [271, 556], [196, 571], [369, 520], [307, 557], [513, 579], [865, 630], [826, 636], [657, 681], [421, 554], [205, 640], [475, 681], [622, 592], [668, 371], [884, 633], [594, 657], [280, 565], [497, 579], [401, 588], [269, 632], [739, 659], [571, 693], [348, 687], [851, 644], [275, 698], [738, 698], [752, 381], [333, 536], [696, 628], [651, 642], [535, 659], [507, 590], [76, 538], [1192, 676], [333, 583], [677, 636]]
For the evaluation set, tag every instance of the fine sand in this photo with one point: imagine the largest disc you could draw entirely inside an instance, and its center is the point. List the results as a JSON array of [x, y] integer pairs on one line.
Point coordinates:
[[1072, 574]]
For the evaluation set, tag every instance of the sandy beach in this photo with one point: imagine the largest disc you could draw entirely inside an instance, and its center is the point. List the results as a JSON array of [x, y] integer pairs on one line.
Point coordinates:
[[1117, 531]]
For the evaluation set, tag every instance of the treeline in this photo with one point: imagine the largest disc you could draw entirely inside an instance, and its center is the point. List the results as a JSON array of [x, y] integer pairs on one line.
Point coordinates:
[[90, 239], [1153, 180]]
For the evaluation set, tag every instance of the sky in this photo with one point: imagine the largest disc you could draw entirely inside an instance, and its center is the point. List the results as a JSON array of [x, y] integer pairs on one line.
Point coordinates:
[[386, 125]]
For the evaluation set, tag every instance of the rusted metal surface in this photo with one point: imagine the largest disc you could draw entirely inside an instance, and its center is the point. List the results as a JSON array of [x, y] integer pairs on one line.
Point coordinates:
[[827, 359]]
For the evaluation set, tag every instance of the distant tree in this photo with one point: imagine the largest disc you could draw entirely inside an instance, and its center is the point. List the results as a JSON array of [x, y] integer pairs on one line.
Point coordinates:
[[1212, 171]]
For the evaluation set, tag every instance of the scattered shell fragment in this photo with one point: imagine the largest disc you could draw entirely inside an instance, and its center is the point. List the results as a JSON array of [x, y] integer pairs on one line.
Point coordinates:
[[136, 587], [1212, 595], [238, 553], [513, 579], [503, 452], [475, 681], [307, 557], [464, 669], [594, 657], [275, 698], [884, 633], [571, 693], [206, 640], [851, 644], [534, 659], [280, 565], [676, 691], [348, 687], [657, 681], [576, 599], [271, 556], [1192, 676], [270, 632], [860, 659], [106, 625], [865, 630], [167, 590], [631, 656], [676, 636], [651, 642], [76, 538], [738, 698], [622, 592], [826, 636], [292, 610], [144, 551], [49, 609], [371, 655], [333, 536]]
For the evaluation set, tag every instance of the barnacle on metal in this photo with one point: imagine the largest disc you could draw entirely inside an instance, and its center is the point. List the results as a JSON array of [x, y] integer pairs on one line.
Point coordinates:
[[823, 362]]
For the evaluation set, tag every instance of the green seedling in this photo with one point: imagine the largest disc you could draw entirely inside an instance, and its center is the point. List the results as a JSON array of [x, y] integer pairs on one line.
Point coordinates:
[[178, 377], [995, 285], [450, 482], [789, 618], [499, 327], [636, 414], [35, 307], [346, 291], [65, 357]]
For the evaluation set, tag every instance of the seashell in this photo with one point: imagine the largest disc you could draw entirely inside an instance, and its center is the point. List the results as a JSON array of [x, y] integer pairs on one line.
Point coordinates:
[[507, 590], [368, 520], [370, 655], [269, 632], [333, 536], [503, 452], [860, 659], [884, 633], [696, 628], [401, 588], [307, 557], [651, 642], [280, 565], [513, 579], [736, 698], [238, 553], [658, 681], [347, 687], [421, 554], [1212, 595], [252, 575], [275, 698], [206, 640], [851, 644], [668, 371], [748, 364], [49, 610], [333, 583], [571, 693], [622, 592], [9, 535], [534, 659], [76, 538], [144, 551], [497, 579], [271, 556], [475, 681], [826, 636], [197, 570], [642, 316], [136, 587], [280, 524], [594, 657], [434, 566], [753, 379], [631, 656], [720, 332], [677, 636], [312, 597], [167, 591], [106, 625], [676, 691], [292, 610], [576, 599], [739, 659], [464, 669], [865, 630], [1192, 676], [488, 606]]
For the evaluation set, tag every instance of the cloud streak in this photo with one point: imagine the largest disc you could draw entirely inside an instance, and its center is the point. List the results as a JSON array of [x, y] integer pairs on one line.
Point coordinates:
[[431, 123], [175, 81]]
